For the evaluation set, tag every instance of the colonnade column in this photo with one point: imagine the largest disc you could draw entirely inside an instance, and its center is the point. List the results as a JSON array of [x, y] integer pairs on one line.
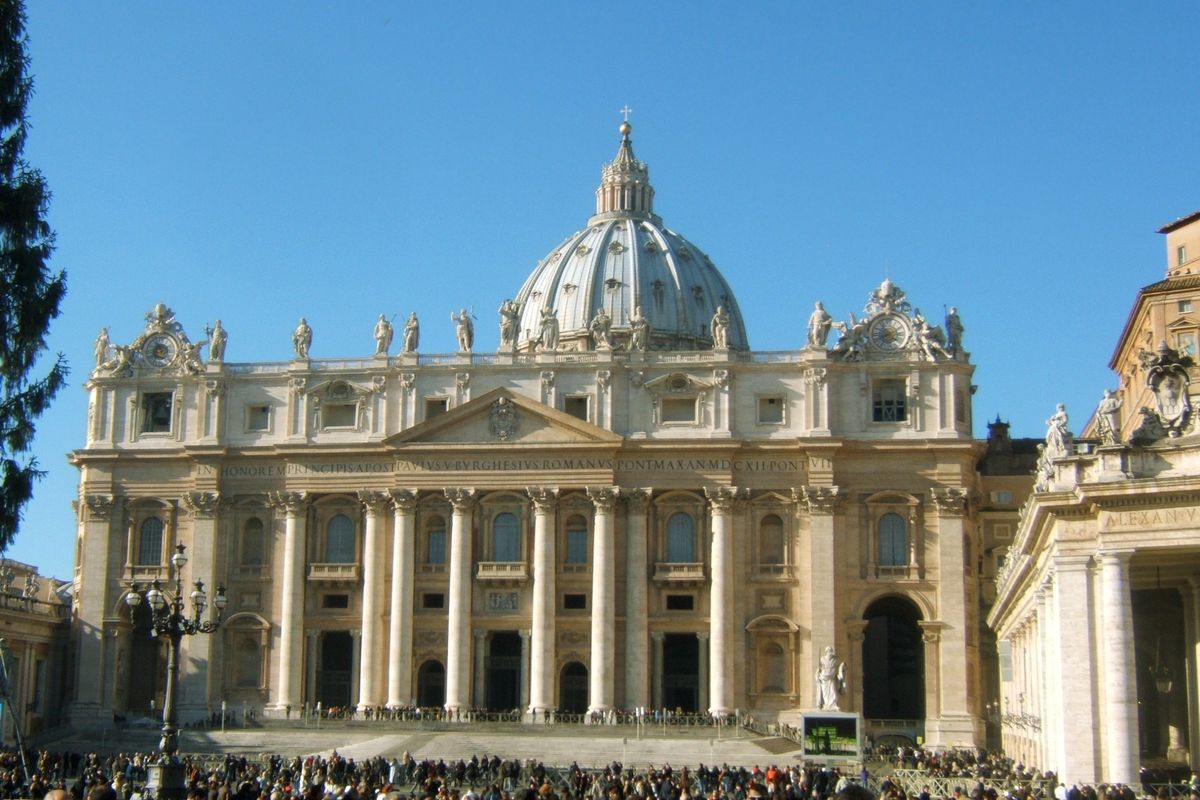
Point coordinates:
[[637, 673], [1074, 741], [291, 614], [720, 600], [601, 681], [400, 621], [1120, 690], [821, 503], [197, 651], [370, 692], [541, 656], [458, 634]]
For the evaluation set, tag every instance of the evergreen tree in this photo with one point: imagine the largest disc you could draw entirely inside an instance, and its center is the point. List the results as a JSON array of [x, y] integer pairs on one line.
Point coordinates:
[[30, 293]]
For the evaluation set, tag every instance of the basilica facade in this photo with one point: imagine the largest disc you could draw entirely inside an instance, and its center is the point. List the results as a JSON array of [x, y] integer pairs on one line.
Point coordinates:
[[624, 507]]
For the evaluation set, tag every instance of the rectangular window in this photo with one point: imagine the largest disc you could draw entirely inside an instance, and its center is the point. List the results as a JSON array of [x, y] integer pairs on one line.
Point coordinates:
[[889, 402], [436, 406], [1002, 497], [577, 407], [575, 602], [339, 415], [258, 418], [156, 412], [1184, 306], [335, 601], [680, 602], [433, 600], [1181, 254], [679, 409], [436, 552], [577, 546], [1002, 531], [770, 410]]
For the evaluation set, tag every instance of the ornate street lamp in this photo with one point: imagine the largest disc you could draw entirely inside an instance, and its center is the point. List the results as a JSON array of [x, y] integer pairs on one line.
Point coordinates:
[[169, 618]]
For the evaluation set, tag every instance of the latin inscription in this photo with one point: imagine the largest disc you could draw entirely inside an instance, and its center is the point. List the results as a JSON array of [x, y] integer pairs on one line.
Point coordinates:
[[512, 464], [1149, 519]]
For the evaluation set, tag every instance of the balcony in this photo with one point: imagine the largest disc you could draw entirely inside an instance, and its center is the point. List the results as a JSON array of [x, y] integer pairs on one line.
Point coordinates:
[[679, 573], [512, 573], [774, 572], [333, 573], [901, 572]]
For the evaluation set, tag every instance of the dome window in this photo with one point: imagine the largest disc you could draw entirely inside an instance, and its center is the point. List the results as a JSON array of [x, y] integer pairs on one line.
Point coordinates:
[[684, 252], [651, 246], [616, 248], [582, 250], [612, 284]]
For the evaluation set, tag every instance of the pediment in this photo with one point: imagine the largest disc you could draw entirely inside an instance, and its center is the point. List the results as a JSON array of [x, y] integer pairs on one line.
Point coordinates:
[[1182, 322], [502, 417]]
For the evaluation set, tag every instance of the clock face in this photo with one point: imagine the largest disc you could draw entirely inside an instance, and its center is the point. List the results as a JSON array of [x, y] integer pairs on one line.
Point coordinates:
[[159, 350], [889, 333]]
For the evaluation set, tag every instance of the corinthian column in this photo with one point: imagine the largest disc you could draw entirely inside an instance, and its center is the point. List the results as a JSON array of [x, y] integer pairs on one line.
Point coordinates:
[[400, 619], [1120, 684], [720, 601], [637, 683], [369, 688], [541, 656], [288, 680], [458, 636], [601, 680], [197, 652], [821, 503]]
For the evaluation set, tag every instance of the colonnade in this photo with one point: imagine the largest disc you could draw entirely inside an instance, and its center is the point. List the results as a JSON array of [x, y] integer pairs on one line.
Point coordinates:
[[395, 687]]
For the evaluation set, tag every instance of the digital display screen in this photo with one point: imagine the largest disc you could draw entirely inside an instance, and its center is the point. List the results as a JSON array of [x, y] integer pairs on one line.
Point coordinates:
[[835, 736]]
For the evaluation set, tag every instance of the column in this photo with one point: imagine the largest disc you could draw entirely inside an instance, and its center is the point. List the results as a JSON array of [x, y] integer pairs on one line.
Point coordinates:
[[523, 680], [480, 689], [541, 658], [955, 724], [356, 645], [601, 678], [720, 600], [458, 635], [100, 520], [312, 642], [400, 619], [856, 632], [197, 651], [702, 670], [1075, 738], [1120, 680], [821, 502], [1191, 616], [656, 680], [289, 669], [637, 678], [370, 687]]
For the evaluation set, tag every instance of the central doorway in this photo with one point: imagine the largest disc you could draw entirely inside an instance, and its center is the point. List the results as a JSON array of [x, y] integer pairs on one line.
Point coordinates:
[[893, 657], [502, 672], [681, 672], [334, 669], [573, 689]]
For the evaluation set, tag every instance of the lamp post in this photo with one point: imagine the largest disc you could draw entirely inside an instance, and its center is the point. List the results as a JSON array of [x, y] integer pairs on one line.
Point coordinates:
[[168, 618]]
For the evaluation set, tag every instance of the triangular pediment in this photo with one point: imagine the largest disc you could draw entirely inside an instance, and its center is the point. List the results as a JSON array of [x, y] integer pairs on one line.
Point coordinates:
[[503, 417], [1182, 322]]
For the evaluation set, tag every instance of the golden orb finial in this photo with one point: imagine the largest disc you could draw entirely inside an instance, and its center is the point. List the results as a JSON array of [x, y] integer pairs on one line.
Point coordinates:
[[625, 128]]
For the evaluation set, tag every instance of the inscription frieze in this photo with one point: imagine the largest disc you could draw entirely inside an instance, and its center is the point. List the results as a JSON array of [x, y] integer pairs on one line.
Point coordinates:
[[1149, 518]]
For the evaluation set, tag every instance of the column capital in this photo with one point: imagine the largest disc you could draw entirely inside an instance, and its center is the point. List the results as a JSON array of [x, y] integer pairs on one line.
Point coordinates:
[[818, 499], [815, 376], [544, 498], [202, 505], [100, 506], [657, 636], [289, 502], [638, 499], [403, 500], [931, 631], [463, 498], [603, 497], [702, 635], [722, 498], [1119, 557], [856, 630], [373, 501], [950, 501]]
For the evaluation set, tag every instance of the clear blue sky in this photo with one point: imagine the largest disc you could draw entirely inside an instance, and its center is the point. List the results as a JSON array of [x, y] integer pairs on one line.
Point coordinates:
[[260, 161]]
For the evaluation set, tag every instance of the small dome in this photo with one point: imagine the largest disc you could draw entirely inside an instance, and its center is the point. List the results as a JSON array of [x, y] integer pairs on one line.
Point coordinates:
[[623, 260]]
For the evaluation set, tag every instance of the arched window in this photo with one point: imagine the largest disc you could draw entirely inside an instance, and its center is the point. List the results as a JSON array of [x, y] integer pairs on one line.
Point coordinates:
[[770, 540], [577, 540], [248, 663], [506, 538], [681, 539], [435, 542], [339, 540], [893, 540], [150, 542], [252, 543]]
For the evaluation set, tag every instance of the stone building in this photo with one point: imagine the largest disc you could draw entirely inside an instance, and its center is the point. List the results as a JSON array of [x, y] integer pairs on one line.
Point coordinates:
[[624, 507], [34, 642], [1098, 602]]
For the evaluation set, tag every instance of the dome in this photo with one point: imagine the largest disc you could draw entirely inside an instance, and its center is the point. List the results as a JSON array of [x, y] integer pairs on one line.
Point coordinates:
[[625, 259]]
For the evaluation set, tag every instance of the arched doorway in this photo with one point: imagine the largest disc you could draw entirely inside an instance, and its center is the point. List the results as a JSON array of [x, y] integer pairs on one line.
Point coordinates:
[[335, 666], [893, 658], [681, 672], [147, 665], [573, 689], [502, 671], [431, 685]]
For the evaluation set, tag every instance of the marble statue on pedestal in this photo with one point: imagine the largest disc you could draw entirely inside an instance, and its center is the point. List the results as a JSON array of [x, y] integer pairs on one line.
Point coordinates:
[[464, 330], [302, 339], [510, 312], [954, 330], [1108, 420], [548, 335], [102, 344], [217, 340], [720, 329], [831, 680], [819, 325], [412, 334], [639, 330], [600, 329], [383, 336]]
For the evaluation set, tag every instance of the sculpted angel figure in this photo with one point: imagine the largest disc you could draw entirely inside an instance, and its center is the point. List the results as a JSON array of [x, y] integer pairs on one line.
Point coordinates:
[[464, 329], [639, 328], [831, 680], [720, 329], [302, 339], [412, 333], [383, 336], [819, 325]]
